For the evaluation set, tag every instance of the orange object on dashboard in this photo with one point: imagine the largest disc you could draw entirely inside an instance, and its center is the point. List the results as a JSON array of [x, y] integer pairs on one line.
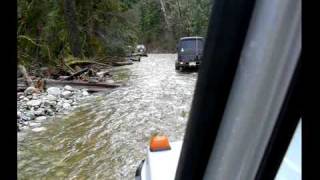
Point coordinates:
[[159, 143]]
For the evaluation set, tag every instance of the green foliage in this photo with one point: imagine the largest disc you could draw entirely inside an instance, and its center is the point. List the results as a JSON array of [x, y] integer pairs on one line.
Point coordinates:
[[185, 18], [107, 27], [104, 25]]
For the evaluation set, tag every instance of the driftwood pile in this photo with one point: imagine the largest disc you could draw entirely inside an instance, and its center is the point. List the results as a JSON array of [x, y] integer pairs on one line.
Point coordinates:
[[82, 74], [92, 78]]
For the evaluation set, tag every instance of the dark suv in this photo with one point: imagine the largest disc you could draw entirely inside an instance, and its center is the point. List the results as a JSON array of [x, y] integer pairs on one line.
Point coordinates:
[[189, 52]]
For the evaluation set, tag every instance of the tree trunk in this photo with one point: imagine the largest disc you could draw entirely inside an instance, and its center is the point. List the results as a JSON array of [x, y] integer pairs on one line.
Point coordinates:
[[71, 21], [164, 14]]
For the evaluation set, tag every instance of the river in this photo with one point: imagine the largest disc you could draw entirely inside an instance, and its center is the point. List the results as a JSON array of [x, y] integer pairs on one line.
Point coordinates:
[[107, 136]]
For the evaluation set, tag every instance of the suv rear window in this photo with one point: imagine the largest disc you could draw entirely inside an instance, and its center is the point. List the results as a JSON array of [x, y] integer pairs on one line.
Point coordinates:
[[191, 45]]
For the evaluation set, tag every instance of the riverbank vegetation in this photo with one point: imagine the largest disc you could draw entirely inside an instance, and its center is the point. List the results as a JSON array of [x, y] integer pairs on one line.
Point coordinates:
[[50, 32]]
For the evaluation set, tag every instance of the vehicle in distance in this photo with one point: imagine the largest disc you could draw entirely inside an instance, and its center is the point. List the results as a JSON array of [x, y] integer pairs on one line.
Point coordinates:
[[141, 50], [189, 52]]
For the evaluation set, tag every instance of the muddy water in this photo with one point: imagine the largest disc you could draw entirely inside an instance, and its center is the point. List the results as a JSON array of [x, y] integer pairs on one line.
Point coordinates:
[[107, 137]]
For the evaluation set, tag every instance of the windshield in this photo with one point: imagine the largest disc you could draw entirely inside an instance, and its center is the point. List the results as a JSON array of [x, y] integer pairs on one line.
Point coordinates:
[[191, 46], [140, 47]]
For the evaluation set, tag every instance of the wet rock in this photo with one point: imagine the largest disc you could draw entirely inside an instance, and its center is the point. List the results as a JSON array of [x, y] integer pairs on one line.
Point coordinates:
[[30, 90], [24, 127], [28, 116], [21, 97], [69, 101], [46, 103], [85, 93], [66, 94], [66, 106], [68, 88], [39, 112], [34, 108], [34, 103], [41, 118], [38, 129], [42, 105], [19, 114], [51, 97], [60, 103], [49, 112], [32, 124], [55, 91]]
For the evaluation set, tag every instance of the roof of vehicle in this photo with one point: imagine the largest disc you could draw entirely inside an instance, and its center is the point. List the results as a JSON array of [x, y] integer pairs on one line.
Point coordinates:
[[191, 37]]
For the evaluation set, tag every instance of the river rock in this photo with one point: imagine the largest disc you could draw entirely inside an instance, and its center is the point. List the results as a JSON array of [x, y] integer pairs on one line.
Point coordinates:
[[51, 97], [42, 105], [41, 118], [30, 90], [28, 116], [19, 114], [69, 101], [60, 103], [39, 112], [33, 124], [68, 88], [24, 127], [49, 112], [38, 129], [54, 91], [66, 94], [34, 103], [25, 99], [85, 93], [66, 106], [48, 103], [21, 97]]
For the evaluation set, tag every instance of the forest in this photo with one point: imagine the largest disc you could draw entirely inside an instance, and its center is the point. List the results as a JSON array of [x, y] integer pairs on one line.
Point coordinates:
[[50, 32]]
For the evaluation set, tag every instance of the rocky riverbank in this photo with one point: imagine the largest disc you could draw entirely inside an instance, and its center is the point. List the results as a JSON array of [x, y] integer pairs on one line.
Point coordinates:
[[35, 107]]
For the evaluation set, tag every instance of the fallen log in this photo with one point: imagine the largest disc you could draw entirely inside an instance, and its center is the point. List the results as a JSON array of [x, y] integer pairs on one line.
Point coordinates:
[[62, 77], [90, 86], [76, 74], [121, 63], [103, 73], [139, 54], [80, 84], [79, 62], [135, 58]]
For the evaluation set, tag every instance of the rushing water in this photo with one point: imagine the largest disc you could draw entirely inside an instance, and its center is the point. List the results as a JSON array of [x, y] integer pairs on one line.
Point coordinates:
[[107, 137]]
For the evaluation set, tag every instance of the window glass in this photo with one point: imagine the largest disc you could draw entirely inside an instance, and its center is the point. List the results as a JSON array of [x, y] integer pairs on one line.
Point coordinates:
[[191, 46]]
